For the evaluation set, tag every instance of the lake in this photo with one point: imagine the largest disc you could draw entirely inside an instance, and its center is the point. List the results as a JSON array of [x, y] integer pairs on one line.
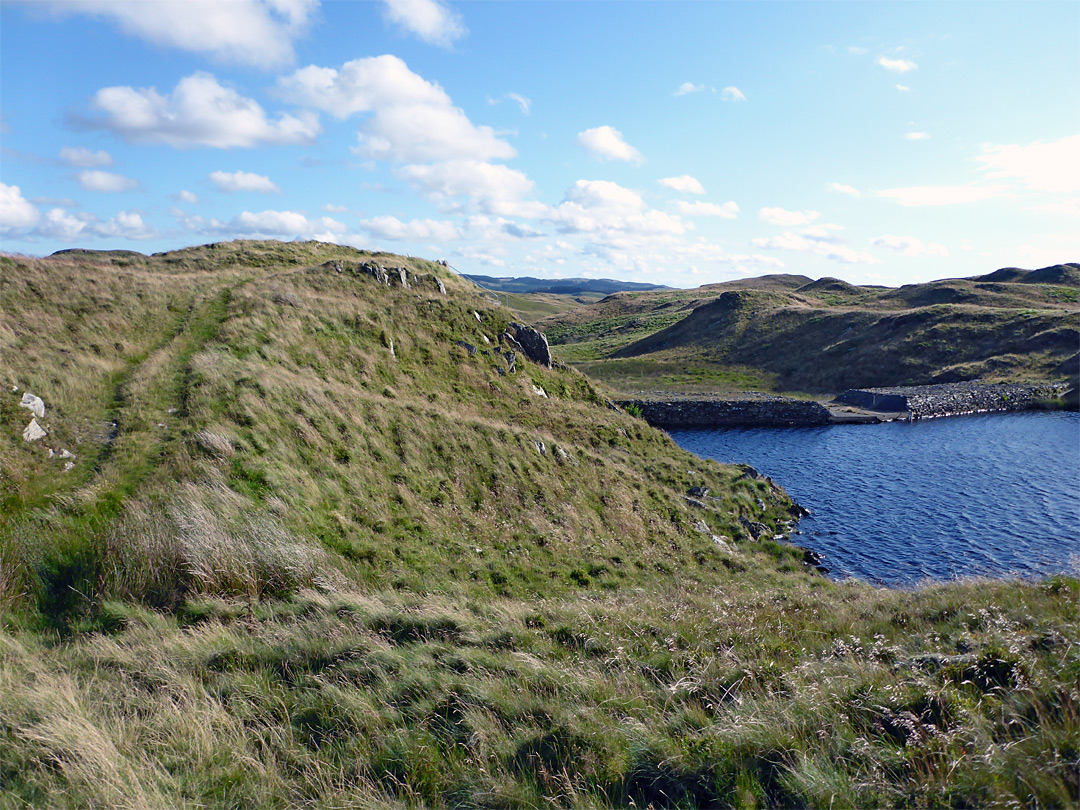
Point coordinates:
[[903, 502]]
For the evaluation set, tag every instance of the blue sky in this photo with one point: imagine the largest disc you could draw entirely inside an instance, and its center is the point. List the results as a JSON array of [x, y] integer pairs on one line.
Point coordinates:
[[670, 142]]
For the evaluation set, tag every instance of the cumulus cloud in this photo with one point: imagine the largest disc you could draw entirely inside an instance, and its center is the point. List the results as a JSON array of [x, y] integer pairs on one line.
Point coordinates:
[[600, 206], [431, 20], [250, 32], [283, 224], [393, 229], [60, 225], [186, 196], [786, 219], [411, 119], [683, 183], [840, 188], [728, 210], [16, 212], [607, 143], [199, 112], [686, 88], [125, 225], [896, 65], [109, 182], [909, 246], [242, 181], [912, 196], [1042, 166], [81, 156], [732, 94], [496, 189], [818, 241], [918, 136]]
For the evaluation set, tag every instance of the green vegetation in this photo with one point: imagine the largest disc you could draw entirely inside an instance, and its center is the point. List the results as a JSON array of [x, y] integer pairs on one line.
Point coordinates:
[[312, 551], [785, 333]]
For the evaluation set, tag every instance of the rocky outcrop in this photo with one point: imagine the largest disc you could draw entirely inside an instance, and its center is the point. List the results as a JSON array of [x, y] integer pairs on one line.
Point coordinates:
[[34, 404], [950, 399], [534, 344], [759, 411]]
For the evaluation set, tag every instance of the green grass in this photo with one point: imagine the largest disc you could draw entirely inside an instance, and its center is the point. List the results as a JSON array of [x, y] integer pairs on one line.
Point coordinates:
[[326, 557]]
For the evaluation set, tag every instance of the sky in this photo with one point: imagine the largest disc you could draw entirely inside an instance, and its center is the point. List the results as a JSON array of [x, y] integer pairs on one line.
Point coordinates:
[[677, 143]]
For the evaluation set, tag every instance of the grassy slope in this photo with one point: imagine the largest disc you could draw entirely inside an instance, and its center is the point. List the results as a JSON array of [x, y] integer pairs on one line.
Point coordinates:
[[294, 566], [785, 333]]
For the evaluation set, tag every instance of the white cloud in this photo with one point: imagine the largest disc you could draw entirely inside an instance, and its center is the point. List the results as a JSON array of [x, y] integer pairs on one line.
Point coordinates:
[[918, 136], [840, 188], [896, 65], [413, 120], [81, 156], [431, 20], [686, 88], [109, 182], [16, 212], [392, 228], [855, 50], [250, 32], [283, 224], [786, 219], [942, 195], [242, 181], [187, 197], [1069, 208], [903, 88], [909, 246], [199, 112], [60, 225], [524, 104], [728, 210], [605, 208], [732, 94], [495, 188], [1042, 166], [817, 241], [607, 143], [125, 225], [684, 183], [330, 208]]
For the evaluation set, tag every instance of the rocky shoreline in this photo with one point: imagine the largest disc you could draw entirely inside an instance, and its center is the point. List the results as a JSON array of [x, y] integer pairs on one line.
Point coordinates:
[[853, 406]]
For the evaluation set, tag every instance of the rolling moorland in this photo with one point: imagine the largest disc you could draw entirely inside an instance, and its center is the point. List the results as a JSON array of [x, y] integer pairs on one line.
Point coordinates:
[[786, 333], [306, 529]]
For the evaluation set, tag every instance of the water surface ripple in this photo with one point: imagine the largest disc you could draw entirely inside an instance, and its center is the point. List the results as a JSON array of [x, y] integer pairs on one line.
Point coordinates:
[[899, 503]]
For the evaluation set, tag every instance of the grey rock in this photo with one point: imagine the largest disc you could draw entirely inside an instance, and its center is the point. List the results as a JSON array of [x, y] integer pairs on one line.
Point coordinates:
[[541, 448], [540, 392], [695, 502], [698, 492], [466, 346], [533, 343], [403, 276], [440, 285], [35, 405], [33, 432]]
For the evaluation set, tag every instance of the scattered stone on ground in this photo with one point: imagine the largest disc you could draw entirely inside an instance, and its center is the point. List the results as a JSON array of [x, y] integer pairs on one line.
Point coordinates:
[[33, 432], [698, 492], [540, 392], [34, 404], [466, 346], [541, 448]]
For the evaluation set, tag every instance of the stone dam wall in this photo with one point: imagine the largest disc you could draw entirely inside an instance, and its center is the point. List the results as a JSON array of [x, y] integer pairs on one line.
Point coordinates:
[[952, 399], [764, 411]]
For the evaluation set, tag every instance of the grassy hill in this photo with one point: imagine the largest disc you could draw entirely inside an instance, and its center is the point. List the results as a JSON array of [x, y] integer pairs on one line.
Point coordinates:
[[787, 333], [299, 536]]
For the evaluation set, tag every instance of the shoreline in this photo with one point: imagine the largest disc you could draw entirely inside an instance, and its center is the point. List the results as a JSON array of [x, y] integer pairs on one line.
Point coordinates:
[[854, 406]]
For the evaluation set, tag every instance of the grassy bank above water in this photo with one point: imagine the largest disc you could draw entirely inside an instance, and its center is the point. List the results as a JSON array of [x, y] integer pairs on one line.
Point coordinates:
[[313, 551]]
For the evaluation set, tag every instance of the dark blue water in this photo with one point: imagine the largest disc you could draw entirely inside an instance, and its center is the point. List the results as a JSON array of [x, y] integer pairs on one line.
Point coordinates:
[[899, 503]]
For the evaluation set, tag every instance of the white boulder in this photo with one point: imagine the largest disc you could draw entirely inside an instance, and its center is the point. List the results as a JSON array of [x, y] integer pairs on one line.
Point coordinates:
[[34, 404], [33, 432]]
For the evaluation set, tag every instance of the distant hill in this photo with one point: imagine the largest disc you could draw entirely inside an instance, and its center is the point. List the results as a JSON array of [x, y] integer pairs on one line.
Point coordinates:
[[561, 286], [788, 333]]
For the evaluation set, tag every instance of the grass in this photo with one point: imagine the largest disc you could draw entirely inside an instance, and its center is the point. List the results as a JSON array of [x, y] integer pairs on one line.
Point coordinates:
[[314, 553], [823, 337]]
